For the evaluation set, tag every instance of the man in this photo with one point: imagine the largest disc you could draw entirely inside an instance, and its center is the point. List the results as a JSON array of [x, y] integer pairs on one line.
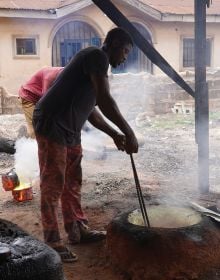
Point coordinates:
[[33, 90], [58, 119], [30, 93]]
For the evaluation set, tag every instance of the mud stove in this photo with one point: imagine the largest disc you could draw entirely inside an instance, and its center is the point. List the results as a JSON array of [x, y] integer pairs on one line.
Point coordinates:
[[181, 244]]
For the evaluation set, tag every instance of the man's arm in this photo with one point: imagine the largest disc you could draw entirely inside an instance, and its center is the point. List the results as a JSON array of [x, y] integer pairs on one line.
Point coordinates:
[[110, 109], [98, 121]]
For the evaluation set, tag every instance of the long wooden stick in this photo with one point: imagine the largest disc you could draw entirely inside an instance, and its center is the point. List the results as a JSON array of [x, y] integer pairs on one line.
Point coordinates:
[[139, 193]]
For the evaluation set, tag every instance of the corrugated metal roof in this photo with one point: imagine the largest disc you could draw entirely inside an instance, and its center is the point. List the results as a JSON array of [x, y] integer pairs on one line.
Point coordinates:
[[35, 4], [181, 7]]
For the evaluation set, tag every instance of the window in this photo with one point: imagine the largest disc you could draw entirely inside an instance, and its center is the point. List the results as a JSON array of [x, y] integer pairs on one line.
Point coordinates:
[[25, 46], [188, 52]]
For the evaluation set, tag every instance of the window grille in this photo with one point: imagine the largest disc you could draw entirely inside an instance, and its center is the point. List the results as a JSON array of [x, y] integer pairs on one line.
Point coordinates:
[[188, 52]]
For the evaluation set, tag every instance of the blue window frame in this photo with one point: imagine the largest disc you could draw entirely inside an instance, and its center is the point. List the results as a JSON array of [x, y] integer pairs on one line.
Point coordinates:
[[71, 38]]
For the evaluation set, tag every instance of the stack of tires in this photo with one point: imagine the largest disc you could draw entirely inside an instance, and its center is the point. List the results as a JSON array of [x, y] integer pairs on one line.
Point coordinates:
[[23, 257]]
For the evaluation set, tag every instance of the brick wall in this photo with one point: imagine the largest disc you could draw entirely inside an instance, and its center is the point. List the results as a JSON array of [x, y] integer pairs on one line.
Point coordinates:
[[159, 94], [140, 93]]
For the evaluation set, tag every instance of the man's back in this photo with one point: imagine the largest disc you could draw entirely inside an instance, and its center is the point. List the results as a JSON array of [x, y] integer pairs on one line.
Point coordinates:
[[61, 113]]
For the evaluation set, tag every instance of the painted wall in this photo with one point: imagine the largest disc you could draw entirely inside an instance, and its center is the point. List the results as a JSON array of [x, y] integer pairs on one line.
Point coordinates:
[[13, 70], [213, 31]]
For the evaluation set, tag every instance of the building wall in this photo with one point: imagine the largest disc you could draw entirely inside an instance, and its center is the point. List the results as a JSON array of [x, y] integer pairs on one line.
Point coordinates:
[[166, 39], [15, 71], [213, 31]]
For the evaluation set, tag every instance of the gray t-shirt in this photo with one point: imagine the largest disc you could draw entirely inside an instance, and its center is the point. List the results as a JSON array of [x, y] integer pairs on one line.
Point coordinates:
[[61, 113]]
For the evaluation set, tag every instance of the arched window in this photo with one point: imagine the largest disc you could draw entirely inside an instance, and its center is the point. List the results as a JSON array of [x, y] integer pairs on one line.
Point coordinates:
[[70, 38], [137, 60]]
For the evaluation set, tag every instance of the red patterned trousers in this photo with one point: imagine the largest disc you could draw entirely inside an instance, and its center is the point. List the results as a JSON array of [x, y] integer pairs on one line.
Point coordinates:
[[60, 180]]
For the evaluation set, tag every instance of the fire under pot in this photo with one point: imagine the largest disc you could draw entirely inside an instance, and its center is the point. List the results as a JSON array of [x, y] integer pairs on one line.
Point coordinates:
[[23, 193], [181, 244]]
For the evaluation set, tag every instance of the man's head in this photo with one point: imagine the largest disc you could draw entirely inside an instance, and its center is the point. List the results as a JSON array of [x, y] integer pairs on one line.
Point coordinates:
[[117, 45]]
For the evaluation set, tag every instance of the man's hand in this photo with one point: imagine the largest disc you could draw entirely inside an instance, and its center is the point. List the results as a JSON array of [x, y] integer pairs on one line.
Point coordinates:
[[127, 143], [131, 144], [120, 141]]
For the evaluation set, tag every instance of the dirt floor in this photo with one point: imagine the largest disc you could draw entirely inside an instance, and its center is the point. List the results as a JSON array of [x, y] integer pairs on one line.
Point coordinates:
[[167, 167]]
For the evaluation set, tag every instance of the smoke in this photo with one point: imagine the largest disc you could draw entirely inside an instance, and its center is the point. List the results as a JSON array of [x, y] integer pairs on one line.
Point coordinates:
[[94, 144], [26, 156], [134, 94], [26, 160], [131, 94]]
